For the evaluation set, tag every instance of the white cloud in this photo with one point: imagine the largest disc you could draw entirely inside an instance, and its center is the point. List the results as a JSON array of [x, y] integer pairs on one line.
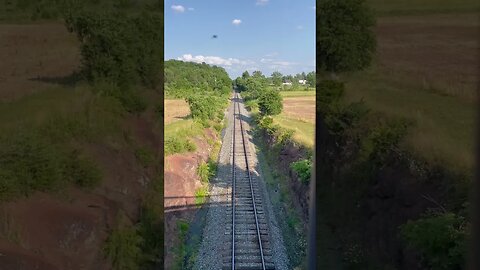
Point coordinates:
[[237, 22], [191, 9], [178, 8], [283, 63], [214, 60], [271, 54], [261, 2]]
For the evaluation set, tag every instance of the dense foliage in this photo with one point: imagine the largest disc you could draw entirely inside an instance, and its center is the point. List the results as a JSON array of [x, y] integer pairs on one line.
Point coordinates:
[[183, 79], [270, 102], [440, 238], [126, 50], [303, 168], [123, 248], [251, 87], [345, 40], [205, 107]]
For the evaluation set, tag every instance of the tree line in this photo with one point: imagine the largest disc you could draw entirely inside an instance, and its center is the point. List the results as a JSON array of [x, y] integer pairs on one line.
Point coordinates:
[[184, 79]]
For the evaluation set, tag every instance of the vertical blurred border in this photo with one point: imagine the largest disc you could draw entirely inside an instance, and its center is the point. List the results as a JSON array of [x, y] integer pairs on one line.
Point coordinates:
[[312, 234], [474, 254]]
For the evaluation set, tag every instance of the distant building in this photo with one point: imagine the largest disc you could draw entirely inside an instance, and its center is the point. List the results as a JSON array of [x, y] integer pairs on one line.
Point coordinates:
[[302, 82], [287, 83]]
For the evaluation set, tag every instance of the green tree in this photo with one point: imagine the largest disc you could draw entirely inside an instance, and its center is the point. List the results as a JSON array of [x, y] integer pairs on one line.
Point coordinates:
[[257, 74], [441, 239], [276, 78], [311, 78], [245, 75], [183, 79], [124, 50], [270, 102], [345, 40]]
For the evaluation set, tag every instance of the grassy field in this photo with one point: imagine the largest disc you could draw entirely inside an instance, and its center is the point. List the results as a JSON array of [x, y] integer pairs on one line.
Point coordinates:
[[426, 70], [185, 127], [399, 7], [299, 114], [297, 93]]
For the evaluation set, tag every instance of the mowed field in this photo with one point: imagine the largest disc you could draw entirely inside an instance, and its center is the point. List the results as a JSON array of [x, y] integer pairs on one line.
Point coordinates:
[[299, 114], [426, 69], [175, 110], [408, 7], [35, 57]]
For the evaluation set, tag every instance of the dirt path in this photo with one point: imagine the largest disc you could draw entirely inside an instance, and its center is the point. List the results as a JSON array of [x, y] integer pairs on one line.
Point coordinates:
[[215, 246]]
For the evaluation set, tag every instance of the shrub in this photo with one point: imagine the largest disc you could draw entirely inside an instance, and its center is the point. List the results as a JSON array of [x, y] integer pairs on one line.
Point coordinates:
[[9, 185], [386, 137], [328, 92], [144, 156], [123, 249], [205, 171], [178, 145], [205, 107], [218, 126], [303, 169], [265, 122], [270, 103], [131, 101], [82, 171], [201, 195], [251, 105], [340, 118], [283, 135], [151, 226], [441, 239], [345, 40], [29, 162]]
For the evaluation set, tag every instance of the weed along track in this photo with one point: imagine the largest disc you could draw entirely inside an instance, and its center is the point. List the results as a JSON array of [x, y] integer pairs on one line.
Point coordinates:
[[248, 229]]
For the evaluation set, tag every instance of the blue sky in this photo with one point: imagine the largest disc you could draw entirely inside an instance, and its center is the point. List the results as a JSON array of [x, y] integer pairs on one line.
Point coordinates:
[[265, 35]]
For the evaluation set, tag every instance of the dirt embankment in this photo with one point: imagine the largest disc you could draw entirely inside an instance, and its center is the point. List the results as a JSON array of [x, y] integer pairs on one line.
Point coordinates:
[[180, 183], [287, 154]]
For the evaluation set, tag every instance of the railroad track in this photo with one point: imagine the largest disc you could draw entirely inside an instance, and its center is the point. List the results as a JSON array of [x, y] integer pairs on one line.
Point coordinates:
[[248, 246]]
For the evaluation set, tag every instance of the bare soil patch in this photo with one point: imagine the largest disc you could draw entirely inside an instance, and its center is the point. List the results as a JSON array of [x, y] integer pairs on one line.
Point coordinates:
[[35, 56], [175, 109], [300, 108]]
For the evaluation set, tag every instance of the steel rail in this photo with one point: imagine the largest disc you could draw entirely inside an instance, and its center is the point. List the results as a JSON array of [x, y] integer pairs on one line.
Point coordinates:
[[233, 186], [250, 182]]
